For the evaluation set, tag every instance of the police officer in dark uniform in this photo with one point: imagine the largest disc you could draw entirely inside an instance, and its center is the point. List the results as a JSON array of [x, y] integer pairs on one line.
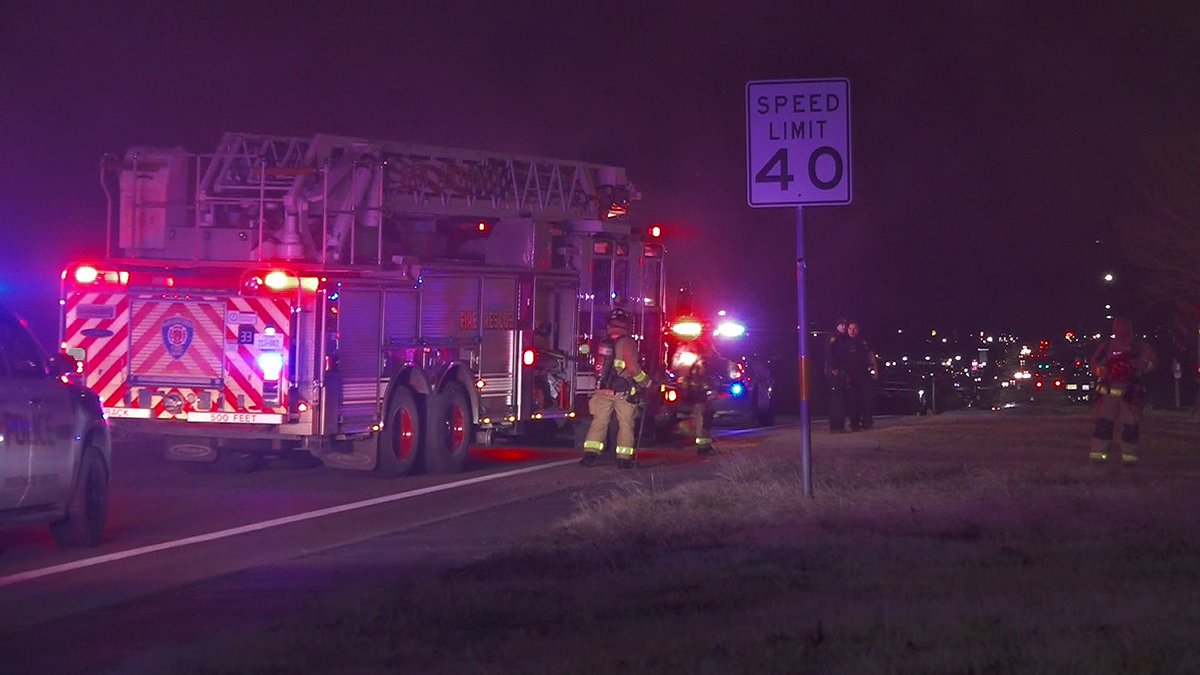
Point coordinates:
[[835, 376], [862, 369]]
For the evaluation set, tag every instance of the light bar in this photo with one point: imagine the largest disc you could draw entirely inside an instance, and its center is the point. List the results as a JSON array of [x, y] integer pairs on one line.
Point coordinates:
[[86, 274], [278, 280], [730, 329], [687, 328]]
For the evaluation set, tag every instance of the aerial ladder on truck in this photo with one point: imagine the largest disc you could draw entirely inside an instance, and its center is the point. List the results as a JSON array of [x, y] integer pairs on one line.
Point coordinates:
[[380, 305]]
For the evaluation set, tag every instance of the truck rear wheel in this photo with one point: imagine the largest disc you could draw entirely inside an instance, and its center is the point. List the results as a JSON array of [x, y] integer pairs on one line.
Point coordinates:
[[451, 431], [231, 461], [400, 442]]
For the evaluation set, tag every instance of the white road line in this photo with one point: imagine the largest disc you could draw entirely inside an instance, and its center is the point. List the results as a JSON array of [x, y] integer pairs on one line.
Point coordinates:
[[266, 524]]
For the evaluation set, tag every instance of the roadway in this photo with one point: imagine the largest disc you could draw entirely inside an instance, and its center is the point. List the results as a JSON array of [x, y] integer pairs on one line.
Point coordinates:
[[190, 554]]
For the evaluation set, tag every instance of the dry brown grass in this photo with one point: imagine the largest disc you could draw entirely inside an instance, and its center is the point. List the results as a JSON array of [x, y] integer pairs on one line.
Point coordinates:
[[975, 542]]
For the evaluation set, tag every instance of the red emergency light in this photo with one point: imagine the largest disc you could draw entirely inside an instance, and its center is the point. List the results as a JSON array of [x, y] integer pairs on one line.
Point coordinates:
[[278, 281], [88, 274], [687, 328]]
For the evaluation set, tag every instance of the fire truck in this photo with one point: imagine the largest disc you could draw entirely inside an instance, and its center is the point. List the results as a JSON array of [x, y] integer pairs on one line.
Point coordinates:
[[379, 305]]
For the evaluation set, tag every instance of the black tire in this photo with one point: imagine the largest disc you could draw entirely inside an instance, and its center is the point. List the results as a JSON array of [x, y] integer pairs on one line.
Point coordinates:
[[402, 440], [231, 461], [542, 432], [451, 431], [87, 512], [579, 431]]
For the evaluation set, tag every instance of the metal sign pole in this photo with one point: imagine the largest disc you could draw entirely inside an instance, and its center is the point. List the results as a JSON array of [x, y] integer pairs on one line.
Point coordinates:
[[798, 154], [802, 333]]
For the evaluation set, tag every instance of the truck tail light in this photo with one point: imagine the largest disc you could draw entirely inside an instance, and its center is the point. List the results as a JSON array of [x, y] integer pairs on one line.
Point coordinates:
[[529, 357]]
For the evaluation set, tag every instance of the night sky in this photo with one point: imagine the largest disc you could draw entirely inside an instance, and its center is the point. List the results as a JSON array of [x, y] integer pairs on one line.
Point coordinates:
[[993, 142]]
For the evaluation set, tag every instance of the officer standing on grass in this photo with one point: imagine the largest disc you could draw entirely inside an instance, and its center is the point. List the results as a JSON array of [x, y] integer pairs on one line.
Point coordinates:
[[835, 376], [862, 369], [619, 380], [1120, 363]]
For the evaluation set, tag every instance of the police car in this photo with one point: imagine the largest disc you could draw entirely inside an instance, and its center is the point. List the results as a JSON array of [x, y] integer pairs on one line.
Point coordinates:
[[55, 448], [740, 391]]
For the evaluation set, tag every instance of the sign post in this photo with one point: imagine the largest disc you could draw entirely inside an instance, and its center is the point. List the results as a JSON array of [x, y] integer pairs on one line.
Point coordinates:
[[797, 154]]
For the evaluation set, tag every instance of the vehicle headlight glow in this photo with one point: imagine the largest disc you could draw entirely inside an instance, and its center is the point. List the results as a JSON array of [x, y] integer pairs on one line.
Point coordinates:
[[730, 329], [684, 358]]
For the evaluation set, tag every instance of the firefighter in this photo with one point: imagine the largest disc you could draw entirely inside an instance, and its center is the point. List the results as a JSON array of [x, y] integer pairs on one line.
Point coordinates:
[[1120, 363], [620, 378], [835, 375], [697, 367]]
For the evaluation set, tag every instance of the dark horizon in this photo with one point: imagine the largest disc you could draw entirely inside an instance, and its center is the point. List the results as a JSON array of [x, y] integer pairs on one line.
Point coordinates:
[[993, 146]]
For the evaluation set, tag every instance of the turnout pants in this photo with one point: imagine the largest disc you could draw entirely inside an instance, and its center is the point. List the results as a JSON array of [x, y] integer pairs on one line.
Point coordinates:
[[1115, 412], [603, 405], [698, 425]]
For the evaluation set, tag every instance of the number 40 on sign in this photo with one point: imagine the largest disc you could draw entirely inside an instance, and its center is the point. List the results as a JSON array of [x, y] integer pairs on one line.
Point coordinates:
[[798, 142]]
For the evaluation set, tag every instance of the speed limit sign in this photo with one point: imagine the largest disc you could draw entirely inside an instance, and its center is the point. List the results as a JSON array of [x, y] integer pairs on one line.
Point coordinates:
[[798, 142]]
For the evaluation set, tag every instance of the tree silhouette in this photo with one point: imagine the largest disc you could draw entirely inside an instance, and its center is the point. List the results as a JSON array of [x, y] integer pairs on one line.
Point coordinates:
[[1162, 235]]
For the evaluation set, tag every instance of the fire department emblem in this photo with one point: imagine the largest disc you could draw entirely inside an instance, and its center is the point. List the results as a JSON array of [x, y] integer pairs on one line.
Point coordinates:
[[177, 336]]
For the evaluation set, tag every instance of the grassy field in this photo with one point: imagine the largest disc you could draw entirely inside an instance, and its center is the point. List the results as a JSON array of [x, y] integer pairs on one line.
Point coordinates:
[[969, 542]]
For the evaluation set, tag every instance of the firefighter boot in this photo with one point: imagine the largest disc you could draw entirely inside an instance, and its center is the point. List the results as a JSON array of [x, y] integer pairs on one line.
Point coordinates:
[[625, 455], [1128, 455], [1099, 453], [1129, 437]]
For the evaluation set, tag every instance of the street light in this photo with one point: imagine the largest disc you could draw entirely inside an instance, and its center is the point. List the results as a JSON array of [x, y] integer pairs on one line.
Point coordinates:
[[1108, 278]]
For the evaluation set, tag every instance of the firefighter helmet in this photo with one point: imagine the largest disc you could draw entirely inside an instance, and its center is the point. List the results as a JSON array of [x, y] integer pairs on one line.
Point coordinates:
[[619, 317]]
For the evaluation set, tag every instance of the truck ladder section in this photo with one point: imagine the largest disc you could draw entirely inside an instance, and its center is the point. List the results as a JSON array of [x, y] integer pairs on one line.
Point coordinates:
[[292, 183]]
